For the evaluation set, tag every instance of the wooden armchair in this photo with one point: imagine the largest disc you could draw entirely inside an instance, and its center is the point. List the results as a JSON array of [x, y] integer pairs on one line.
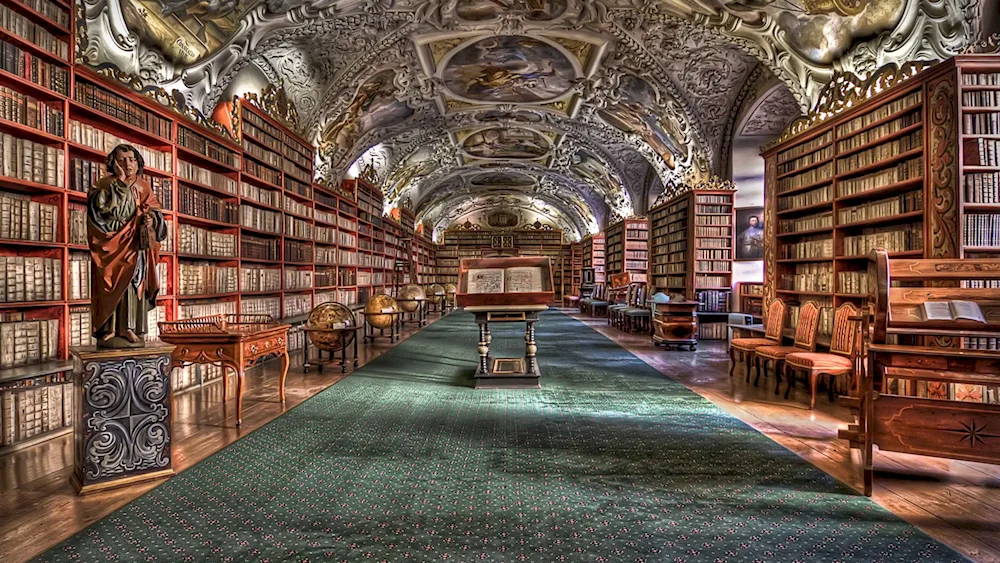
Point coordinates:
[[843, 359], [805, 341], [773, 329], [587, 304]]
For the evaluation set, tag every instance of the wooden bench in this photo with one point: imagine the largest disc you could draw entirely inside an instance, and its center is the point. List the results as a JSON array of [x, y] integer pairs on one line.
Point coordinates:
[[901, 345]]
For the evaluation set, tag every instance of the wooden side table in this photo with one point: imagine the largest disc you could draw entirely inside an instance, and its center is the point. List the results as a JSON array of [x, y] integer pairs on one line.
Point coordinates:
[[675, 323], [232, 341]]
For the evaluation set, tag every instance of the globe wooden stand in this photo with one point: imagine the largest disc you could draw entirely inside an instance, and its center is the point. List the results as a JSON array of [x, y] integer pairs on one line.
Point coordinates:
[[320, 362], [393, 335], [418, 317]]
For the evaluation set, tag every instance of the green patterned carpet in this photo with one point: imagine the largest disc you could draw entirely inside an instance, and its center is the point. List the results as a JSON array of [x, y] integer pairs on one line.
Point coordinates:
[[403, 461]]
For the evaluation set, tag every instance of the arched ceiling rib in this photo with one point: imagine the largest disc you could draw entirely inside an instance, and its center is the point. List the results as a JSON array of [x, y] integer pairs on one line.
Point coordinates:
[[603, 99]]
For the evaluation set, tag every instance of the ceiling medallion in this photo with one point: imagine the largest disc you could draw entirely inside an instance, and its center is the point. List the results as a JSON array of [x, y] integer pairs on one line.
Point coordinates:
[[274, 101], [844, 92]]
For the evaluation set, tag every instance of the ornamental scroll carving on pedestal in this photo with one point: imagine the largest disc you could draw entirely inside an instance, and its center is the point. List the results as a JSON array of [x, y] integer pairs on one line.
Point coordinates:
[[127, 417]]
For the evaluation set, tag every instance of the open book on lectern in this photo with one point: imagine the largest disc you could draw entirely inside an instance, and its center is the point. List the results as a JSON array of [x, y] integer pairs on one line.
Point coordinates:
[[516, 279]]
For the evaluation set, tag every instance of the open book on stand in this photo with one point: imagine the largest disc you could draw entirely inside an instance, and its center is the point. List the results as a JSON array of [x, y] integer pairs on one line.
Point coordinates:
[[516, 279], [952, 311]]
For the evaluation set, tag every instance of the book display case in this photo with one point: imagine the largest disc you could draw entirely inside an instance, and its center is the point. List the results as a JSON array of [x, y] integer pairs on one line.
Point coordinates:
[[692, 249], [594, 256], [627, 248], [912, 169]]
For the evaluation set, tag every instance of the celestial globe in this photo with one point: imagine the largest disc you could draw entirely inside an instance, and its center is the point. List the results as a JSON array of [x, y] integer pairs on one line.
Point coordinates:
[[321, 325], [410, 297], [378, 309]]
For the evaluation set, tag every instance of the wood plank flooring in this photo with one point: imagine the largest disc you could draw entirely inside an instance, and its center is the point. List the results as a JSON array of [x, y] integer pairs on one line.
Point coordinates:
[[956, 502]]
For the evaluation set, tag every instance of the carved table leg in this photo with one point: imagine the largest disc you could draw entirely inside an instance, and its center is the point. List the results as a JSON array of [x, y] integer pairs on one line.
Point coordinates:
[[285, 361], [484, 348], [355, 350], [530, 348]]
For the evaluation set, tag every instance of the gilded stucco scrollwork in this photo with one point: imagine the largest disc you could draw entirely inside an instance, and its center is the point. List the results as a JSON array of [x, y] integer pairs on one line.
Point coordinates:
[[636, 95]]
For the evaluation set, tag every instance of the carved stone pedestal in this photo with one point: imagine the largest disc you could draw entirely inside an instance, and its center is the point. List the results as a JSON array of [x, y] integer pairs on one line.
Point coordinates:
[[122, 429]]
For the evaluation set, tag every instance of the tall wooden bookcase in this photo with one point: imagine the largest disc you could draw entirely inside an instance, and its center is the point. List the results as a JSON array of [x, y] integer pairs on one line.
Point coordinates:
[[627, 248], [912, 168], [691, 249], [594, 256]]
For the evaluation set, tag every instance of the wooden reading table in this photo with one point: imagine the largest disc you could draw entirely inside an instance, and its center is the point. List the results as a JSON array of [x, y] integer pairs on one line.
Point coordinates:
[[232, 341]]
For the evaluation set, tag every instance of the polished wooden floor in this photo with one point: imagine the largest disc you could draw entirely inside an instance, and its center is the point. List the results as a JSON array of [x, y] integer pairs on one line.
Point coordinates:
[[956, 502]]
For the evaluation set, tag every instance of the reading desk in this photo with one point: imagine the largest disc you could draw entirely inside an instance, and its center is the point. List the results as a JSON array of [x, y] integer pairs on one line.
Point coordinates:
[[503, 290], [928, 314]]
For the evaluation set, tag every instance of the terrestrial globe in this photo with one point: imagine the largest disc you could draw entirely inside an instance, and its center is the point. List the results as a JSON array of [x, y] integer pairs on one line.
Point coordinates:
[[377, 309], [450, 291], [435, 294], [410, 297], [325, 317]]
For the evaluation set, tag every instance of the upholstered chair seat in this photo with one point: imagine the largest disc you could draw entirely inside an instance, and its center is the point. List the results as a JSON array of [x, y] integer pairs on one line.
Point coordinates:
[[750, 344], [805, 341], [841, 360], [774, 326]]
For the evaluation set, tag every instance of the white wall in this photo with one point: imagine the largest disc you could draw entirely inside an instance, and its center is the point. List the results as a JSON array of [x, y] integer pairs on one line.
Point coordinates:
[[748, 174]]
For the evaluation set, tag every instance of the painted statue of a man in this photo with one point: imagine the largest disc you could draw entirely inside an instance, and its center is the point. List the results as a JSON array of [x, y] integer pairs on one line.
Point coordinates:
[[124, 230]]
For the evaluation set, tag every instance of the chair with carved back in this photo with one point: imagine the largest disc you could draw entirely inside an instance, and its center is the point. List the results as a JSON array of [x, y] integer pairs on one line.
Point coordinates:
[[637, 316], [806, 333], [622, 301], [773, 328], [843, 359], [587, 304], [599, 308]]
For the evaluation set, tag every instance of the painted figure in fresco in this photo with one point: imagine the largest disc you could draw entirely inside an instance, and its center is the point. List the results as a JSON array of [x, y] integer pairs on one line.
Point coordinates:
[[509, 68], [124, 231], [506, 143], [751, 240]]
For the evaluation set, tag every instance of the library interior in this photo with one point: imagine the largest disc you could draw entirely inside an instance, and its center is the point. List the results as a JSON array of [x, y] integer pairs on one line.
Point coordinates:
[[500, 280]]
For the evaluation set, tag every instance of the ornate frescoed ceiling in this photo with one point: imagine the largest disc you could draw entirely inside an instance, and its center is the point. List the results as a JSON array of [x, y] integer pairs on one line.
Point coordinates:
[[574, 111]]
